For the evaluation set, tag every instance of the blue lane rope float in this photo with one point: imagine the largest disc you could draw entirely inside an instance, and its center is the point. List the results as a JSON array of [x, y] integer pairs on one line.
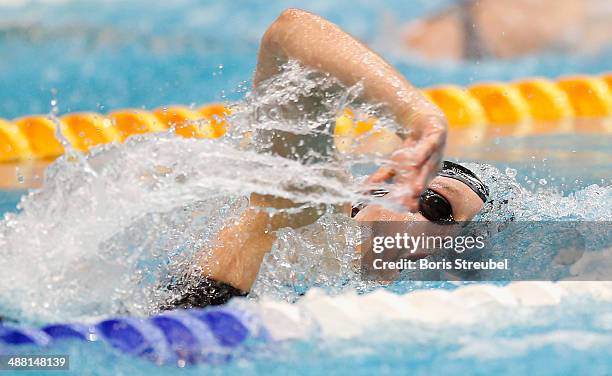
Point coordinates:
[[188, 336], [220, 334]]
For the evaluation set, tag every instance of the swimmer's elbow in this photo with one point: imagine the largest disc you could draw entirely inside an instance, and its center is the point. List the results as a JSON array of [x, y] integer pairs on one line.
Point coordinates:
[[287, 21], [292, 15], [275, 44]]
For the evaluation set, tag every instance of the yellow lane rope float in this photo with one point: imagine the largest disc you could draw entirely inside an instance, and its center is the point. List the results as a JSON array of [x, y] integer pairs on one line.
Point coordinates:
[[13, 144], [527, 106]]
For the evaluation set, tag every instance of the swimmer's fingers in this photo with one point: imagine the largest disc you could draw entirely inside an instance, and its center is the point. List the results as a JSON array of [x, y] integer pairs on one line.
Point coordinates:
[[419, 160], [409, 178], [429, 144], [413, 165], [409, 181], [382, 175], [412, 183], [428, 154], [401, 191], [402, 161], [405, 193]]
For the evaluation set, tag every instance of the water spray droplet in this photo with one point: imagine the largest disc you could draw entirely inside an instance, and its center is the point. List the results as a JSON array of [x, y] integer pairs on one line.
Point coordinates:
[[510, 172]]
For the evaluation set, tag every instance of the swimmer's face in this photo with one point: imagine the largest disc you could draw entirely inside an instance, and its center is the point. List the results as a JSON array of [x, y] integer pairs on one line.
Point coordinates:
[[464, 204]]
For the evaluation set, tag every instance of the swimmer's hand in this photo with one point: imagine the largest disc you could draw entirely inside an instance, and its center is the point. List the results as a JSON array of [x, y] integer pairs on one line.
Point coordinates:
[[413, 165], [318, 43]]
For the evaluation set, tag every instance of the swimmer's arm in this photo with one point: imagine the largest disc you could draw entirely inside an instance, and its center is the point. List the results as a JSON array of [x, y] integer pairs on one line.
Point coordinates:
[[238, 250], [318, 43]]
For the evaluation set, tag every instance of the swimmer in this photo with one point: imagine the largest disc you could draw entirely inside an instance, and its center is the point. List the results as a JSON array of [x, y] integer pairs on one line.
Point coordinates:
[[455, 193], [503, 29]]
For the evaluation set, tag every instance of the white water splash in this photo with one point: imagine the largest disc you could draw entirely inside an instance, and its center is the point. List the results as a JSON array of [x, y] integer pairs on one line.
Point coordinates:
[[107, 232]]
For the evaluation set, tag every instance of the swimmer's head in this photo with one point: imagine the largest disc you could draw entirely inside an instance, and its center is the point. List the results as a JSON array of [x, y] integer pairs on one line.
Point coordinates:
[[455, 194], [466, 176]]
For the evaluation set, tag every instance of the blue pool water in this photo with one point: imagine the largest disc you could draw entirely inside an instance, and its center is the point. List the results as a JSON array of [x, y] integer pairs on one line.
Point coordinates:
[[103, 56], [100, 56]]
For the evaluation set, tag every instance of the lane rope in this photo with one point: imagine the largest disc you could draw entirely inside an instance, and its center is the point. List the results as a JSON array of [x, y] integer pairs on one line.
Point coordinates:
[[528, 106], [218, 334]]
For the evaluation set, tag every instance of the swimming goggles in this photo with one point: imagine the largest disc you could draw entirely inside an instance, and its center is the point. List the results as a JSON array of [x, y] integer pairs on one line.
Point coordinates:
[[432, 205]]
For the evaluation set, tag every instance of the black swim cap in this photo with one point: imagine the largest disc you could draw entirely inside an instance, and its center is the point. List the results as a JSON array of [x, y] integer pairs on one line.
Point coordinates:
[[466, 176]]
